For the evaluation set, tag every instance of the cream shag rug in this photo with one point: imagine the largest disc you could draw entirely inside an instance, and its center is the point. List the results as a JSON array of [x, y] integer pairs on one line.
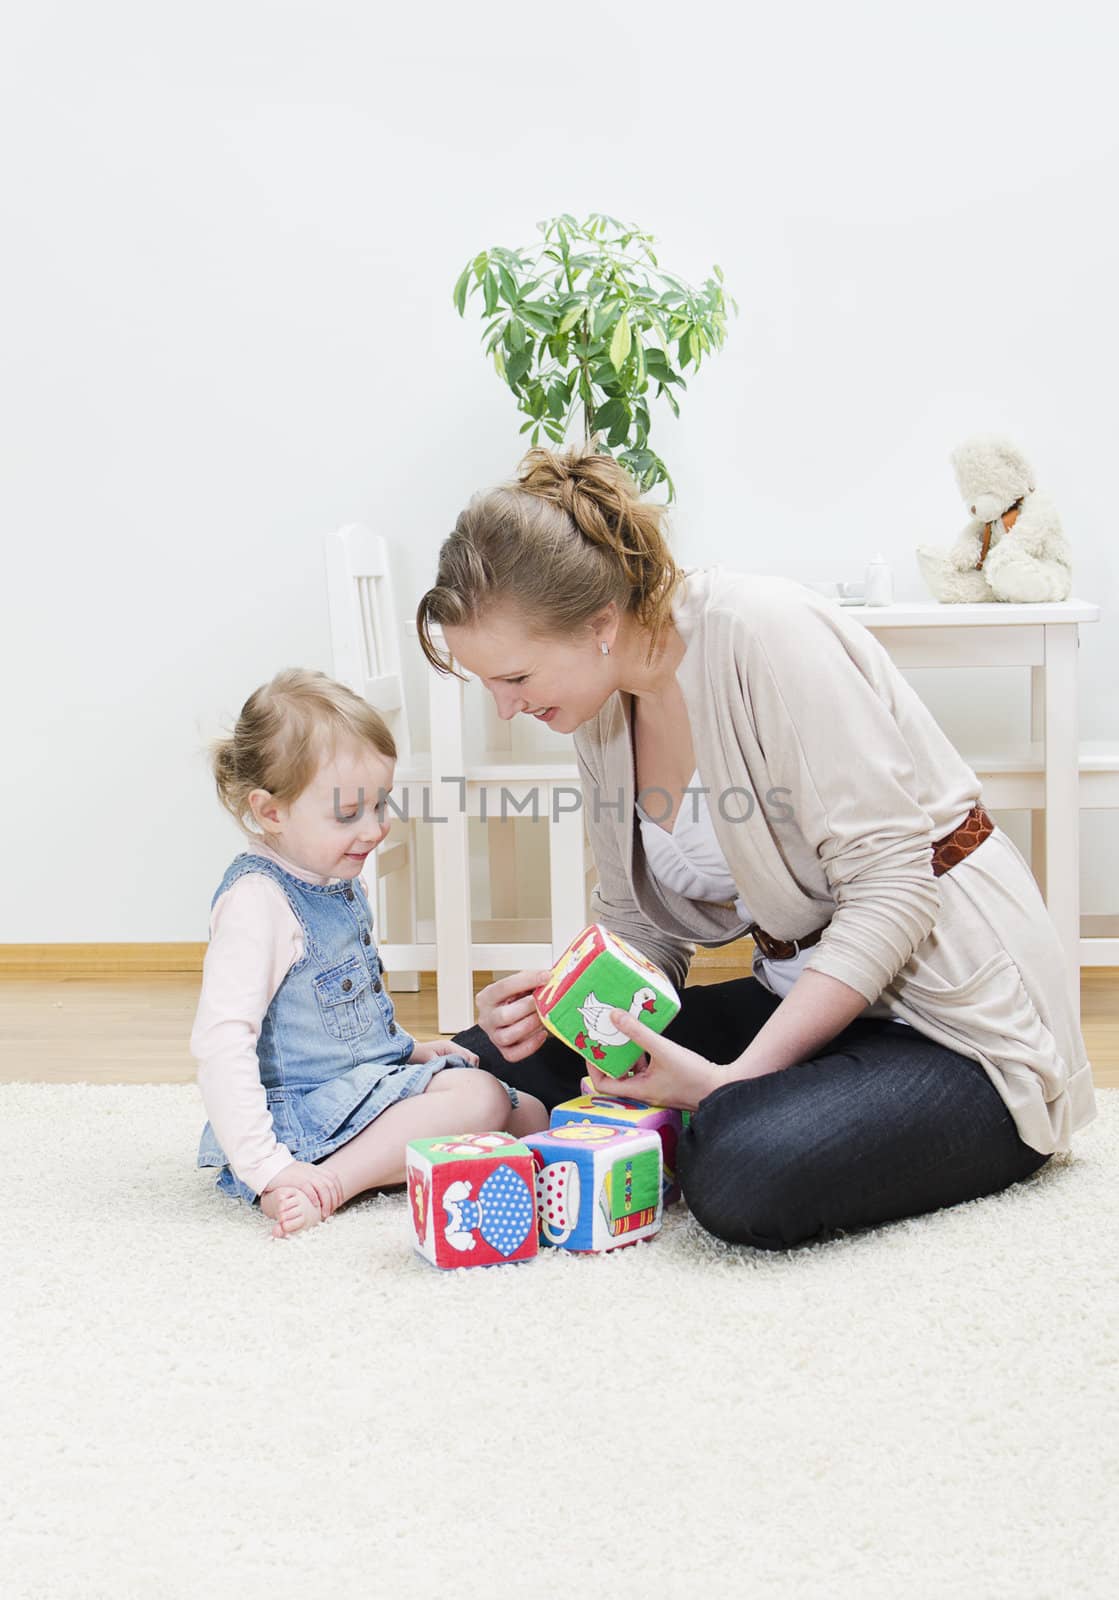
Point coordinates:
[[192, 1409]]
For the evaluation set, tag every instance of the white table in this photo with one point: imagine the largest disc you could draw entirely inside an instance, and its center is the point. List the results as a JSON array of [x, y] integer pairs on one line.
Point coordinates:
[[1045, 638]]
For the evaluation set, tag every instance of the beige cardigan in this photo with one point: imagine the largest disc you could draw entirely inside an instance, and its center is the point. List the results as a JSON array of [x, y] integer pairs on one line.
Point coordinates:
[[827, 781]]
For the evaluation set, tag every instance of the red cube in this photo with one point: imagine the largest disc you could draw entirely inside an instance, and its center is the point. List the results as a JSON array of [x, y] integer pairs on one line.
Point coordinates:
[[472, 1199]]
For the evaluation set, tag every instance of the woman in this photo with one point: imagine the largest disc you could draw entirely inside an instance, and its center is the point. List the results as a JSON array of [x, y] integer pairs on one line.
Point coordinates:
[[752, 761]]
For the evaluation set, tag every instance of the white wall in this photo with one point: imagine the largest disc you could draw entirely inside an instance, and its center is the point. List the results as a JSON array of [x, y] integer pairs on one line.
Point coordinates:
[[231, 235]]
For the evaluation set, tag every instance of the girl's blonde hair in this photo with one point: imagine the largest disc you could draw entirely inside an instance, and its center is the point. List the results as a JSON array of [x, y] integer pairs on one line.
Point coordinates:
[[285, 730], [567, 536]]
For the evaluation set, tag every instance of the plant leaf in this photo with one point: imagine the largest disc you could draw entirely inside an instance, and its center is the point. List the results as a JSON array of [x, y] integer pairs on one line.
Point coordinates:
[[536, 315], [609, 415], [620, 342], [508, 287], [517, 365]]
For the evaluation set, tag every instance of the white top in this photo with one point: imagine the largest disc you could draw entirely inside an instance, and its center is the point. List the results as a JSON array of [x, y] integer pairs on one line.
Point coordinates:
[[690, 861]]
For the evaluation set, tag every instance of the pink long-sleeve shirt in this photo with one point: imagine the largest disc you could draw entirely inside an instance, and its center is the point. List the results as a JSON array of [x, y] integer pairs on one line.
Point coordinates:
[[255, 939]]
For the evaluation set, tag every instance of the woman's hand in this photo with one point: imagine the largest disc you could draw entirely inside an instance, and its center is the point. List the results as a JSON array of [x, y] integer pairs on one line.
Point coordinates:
[[507, 1014], [317, 1183], [432, 1048], [667, 1075]]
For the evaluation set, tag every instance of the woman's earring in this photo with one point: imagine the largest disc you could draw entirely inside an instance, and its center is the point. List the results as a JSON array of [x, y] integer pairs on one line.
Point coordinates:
[[604, 647]]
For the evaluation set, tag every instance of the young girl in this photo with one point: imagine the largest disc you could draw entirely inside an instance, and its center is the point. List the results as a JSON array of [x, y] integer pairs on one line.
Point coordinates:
[[311, 1087]]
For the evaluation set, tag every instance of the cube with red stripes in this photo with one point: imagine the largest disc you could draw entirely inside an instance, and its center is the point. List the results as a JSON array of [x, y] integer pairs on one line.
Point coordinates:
[[598, 1186]]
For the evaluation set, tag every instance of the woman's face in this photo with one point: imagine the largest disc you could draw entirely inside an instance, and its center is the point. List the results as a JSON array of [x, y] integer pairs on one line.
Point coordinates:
[[563, 681]]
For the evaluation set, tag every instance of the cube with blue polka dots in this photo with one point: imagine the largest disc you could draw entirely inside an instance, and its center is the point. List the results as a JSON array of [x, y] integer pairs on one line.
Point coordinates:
[[472, 1199]]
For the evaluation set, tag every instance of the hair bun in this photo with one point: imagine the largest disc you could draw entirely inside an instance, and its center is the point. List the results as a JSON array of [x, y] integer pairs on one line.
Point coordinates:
[[595, 490], [567, 535]]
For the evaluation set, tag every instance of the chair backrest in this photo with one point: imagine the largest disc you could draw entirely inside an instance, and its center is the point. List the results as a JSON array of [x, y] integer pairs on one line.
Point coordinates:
[[365, 635]]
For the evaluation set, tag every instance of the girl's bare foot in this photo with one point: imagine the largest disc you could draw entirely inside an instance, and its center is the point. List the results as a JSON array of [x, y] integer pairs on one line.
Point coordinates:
[[290, 1209]]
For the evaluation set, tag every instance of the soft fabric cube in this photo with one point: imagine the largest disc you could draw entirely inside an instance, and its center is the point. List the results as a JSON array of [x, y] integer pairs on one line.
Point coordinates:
[[472, 1198], [661, 1120], [587, 1087], [598, 973], [598, 1186]]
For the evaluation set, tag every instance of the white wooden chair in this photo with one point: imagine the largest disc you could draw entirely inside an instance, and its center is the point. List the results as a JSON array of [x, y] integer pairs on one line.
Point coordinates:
[[366, 649], [457, 785], [477, 787]]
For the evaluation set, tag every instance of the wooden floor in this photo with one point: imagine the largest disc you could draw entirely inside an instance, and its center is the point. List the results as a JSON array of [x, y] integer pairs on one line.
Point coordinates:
[[135, 1027]]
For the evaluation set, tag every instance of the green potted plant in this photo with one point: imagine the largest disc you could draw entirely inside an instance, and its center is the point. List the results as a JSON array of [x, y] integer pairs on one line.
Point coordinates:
[[576, 321]]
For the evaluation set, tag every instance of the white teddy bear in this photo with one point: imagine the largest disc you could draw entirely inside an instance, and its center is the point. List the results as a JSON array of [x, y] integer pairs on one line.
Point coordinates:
[[1013, 548]]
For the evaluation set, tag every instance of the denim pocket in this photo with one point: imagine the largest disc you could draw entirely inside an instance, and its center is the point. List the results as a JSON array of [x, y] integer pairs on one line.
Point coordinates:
[[345, 999], [280, 1105]]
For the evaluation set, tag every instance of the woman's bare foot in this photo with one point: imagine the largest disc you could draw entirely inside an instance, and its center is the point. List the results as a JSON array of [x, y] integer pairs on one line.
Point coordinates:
[[290, 1209]]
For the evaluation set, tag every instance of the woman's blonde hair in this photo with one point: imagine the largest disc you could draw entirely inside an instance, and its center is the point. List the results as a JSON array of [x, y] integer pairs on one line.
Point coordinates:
[[567, 536], [285, 730]]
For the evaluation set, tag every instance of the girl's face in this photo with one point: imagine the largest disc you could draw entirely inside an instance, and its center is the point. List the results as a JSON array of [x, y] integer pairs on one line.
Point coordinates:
[[337, 820], [562, 681]]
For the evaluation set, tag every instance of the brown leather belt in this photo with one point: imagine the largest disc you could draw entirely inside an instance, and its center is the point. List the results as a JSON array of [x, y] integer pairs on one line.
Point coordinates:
[[947, 853]]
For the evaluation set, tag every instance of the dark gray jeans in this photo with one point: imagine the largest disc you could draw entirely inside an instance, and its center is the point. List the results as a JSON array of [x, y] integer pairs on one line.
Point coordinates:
[[882, 1123]]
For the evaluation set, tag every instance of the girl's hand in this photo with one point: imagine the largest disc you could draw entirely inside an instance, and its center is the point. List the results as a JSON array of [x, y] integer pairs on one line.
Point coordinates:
[[507, 1014], [667, 1075], [432, 1048], [317, 1183]]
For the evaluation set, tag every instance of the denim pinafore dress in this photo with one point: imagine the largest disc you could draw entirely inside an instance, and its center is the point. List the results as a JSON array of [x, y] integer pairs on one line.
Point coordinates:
[[332, 1056]]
